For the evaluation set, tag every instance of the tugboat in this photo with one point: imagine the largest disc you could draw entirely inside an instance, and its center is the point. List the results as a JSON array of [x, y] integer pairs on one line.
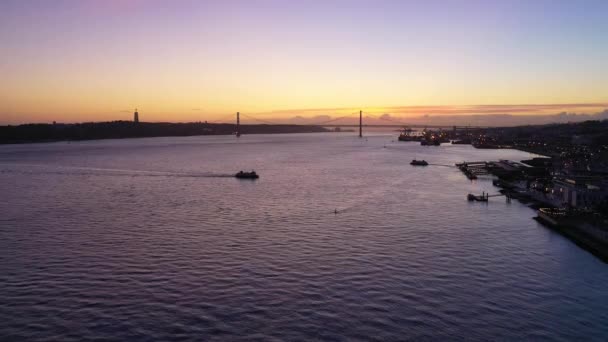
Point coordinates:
[[419, 162], [247, 175]]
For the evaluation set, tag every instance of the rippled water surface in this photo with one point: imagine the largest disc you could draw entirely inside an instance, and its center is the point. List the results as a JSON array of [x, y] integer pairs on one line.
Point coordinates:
[[143, 239]]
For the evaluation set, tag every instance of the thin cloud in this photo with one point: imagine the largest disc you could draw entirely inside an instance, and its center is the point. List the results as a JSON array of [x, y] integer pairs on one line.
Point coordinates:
[[409, 111]]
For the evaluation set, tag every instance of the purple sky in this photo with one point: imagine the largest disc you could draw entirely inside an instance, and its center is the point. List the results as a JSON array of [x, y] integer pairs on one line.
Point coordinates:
[[95, 59]]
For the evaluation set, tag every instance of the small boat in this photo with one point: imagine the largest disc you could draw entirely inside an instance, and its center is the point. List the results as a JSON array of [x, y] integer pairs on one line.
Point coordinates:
[[419, 162], [247, 175]]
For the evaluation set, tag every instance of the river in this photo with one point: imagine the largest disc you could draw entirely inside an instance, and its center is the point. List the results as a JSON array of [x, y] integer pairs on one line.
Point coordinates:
[[151, 239]]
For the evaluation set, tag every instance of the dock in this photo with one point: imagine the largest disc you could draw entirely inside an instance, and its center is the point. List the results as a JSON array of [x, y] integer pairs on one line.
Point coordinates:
[[484, 197], [477, 198], [474, 169]]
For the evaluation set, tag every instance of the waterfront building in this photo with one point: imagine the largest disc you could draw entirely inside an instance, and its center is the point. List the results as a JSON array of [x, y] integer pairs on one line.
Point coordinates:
[[580, 192]]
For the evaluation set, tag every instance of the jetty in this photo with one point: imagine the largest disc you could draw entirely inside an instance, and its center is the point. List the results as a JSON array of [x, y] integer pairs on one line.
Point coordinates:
[[473, 169], [484, 197], [477, 198]]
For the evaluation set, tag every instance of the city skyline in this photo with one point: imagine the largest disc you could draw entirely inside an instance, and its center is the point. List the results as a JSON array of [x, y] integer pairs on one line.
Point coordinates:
[[75, 61]]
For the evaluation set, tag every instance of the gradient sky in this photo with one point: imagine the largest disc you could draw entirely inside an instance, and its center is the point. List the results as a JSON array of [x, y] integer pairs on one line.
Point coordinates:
[[89, 60]]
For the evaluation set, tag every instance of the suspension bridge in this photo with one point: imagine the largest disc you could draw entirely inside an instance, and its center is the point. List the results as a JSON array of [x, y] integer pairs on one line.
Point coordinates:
[[342, 121]]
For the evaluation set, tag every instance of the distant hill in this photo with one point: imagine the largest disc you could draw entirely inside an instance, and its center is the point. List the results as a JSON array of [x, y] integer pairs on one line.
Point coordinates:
[[505, 120], [489, 120]]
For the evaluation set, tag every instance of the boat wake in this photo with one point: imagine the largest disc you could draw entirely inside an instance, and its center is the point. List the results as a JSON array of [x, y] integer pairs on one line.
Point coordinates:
[[446, 165], [34, 169]]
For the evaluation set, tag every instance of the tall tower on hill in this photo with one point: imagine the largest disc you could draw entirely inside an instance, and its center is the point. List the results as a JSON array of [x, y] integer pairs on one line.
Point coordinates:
[[136, 116]]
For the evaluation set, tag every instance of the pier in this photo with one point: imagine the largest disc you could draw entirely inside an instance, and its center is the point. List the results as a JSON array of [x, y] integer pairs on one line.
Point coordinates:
[[474, 169], [484, 197]]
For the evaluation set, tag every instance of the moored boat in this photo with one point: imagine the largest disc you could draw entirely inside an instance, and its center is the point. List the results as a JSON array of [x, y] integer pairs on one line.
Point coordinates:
[[430, 142], [407, 137], [482, 198]]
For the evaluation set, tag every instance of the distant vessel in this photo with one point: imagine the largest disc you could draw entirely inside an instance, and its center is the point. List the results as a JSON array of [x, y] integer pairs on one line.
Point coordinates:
[[430, 143], [407, 135], [247, 175], [419, 162]]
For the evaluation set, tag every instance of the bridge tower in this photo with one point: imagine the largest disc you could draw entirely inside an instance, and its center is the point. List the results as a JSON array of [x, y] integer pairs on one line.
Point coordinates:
[[238, 124], [360, 124]]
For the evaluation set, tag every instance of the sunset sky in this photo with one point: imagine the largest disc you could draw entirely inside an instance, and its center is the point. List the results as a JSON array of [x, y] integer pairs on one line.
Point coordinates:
[[93, 60]]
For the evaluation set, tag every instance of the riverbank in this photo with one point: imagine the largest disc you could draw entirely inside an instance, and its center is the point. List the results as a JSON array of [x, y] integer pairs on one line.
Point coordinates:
[[584, 234], [577, 234], [37, 133]]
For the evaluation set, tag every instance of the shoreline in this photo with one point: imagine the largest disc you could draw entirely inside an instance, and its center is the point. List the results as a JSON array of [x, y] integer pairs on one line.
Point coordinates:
[[579, 237], [51, 133], [571, 231], [137, 137]]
